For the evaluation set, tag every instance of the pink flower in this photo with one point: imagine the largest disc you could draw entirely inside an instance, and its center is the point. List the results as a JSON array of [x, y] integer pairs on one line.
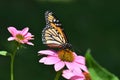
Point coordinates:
[[21, 36], [63, 58], [73, 75]]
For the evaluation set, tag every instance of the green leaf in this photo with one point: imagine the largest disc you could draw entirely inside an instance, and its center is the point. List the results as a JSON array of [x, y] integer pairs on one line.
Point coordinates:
[[97, 72], [4, 53]]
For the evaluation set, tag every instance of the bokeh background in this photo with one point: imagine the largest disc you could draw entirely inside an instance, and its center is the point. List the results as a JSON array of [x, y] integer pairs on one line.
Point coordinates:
[[90, 24]]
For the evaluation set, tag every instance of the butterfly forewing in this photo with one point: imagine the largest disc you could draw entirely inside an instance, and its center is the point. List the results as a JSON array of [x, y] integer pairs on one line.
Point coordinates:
[[52, 34]]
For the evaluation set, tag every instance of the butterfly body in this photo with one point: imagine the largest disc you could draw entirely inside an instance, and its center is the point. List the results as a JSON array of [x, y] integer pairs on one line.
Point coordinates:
[[53, 35]]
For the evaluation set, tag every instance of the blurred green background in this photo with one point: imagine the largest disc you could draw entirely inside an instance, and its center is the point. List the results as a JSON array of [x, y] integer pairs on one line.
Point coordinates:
[[90, 24]]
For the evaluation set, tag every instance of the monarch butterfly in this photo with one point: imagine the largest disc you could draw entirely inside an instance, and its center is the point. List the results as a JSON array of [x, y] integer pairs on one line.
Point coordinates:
[[53, 35]]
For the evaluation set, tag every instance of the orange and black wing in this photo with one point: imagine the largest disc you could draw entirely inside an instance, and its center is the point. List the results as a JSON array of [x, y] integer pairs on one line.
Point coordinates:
[[52, 34]]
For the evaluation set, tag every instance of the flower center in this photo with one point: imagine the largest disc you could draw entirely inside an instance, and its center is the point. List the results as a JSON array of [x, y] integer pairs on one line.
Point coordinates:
[[66, 55], [20, 37]]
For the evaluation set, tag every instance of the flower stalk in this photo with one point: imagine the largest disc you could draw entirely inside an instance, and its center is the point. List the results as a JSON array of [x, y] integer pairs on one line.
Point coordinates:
[[58, 75], [12, 62], [12, 66]]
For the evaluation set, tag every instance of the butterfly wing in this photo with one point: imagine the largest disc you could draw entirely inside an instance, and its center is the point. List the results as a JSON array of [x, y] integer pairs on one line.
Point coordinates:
[[52, 34]]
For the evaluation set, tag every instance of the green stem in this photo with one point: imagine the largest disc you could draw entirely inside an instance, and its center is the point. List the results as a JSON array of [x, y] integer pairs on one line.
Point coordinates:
[[12, 63], [12, 66], [58, 75]]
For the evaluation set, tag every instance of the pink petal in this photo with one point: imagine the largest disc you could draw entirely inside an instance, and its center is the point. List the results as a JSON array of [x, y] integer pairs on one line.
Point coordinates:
[[58, 66], [30, 43], [70, 65], [42, 60], [29, 35], [77, 75], [11, 38], [73, 66], [47, 52], [77, 78], [77, 68], [25, 40], [77, 72], [80, 59], [67, 74], [73, 75], [12, 30], [51, 60], [24, 31], [84, 68]]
